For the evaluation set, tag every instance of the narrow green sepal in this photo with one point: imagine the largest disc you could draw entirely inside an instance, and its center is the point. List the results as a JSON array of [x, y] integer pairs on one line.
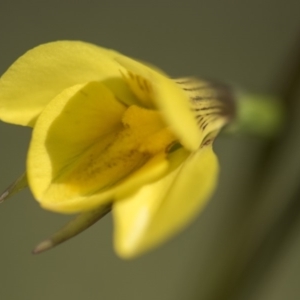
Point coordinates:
[[15, 187], [74, 227]]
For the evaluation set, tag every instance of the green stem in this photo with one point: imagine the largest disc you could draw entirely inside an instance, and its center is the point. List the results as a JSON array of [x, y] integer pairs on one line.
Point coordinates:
[[257, 115]]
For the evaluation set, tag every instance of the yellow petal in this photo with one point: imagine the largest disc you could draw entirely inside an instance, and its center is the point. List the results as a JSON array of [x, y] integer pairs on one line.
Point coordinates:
[[159, 210], [156, 90], [45, 71], [81, 118]]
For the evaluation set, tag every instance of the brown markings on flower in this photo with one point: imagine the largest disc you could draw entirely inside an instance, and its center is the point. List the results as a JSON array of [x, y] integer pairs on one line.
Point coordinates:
[[210, 100]]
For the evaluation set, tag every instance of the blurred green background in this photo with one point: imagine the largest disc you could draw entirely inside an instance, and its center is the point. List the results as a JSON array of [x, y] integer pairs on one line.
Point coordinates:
[[246, 243]]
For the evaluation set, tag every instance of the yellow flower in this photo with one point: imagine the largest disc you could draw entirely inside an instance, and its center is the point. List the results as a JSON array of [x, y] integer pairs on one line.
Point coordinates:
[[109, 131]]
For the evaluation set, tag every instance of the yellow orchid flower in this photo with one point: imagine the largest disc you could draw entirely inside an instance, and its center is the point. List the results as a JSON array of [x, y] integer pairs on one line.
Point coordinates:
[[112, 133]]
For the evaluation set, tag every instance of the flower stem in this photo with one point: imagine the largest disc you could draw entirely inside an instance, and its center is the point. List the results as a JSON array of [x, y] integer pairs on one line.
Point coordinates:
[[257, 115]]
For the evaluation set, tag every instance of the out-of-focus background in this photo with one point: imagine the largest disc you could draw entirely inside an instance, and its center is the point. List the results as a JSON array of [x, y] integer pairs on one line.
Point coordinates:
[[246, 244]]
